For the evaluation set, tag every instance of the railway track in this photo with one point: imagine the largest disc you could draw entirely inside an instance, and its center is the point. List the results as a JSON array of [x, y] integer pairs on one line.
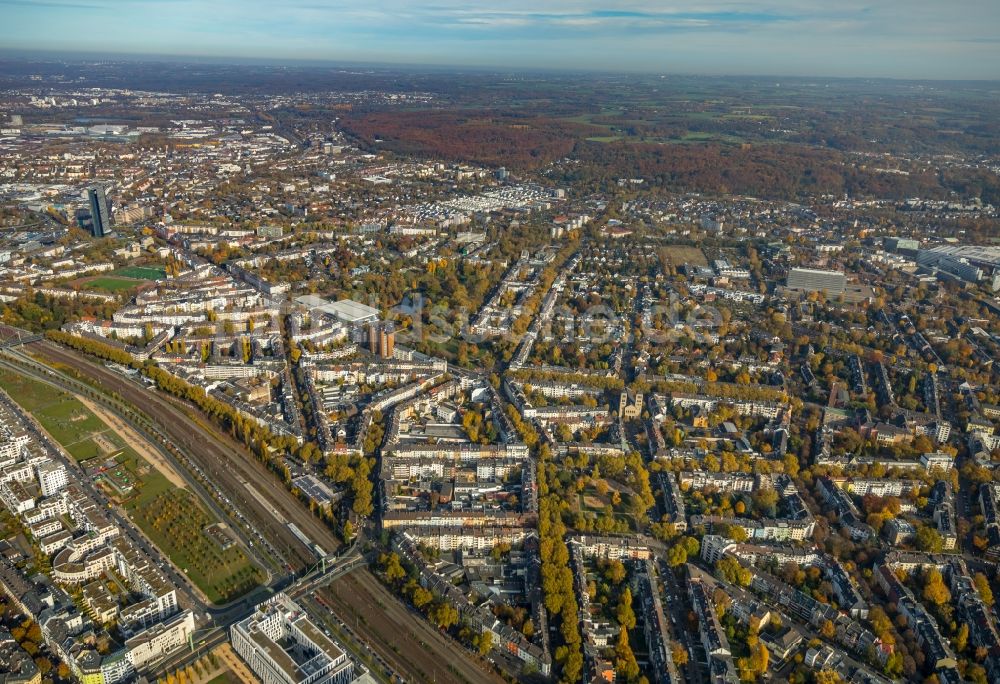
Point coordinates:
[[264, 553], [404, 640], [220, 456]]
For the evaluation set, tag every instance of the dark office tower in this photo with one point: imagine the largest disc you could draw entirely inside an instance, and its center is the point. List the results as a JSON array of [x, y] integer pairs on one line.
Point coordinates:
[[100, 211]]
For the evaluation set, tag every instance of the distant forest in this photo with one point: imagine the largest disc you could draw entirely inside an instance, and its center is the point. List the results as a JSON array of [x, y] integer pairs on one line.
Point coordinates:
[[522, 142], [771, 169]]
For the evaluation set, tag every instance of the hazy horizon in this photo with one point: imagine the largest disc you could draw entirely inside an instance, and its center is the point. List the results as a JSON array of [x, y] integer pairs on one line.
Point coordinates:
[[899, 39], [81, 57]]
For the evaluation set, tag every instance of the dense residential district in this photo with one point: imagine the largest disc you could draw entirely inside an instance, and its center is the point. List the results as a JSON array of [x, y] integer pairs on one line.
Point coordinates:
[[279, 405]]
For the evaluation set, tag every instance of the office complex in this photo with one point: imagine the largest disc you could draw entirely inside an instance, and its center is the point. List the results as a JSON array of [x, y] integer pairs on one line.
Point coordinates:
[[282, 646], [833, 283], [100, 211], [971, 263]]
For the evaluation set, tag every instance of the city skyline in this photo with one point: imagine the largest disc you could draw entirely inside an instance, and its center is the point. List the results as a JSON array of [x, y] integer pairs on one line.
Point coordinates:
[[918, 40]]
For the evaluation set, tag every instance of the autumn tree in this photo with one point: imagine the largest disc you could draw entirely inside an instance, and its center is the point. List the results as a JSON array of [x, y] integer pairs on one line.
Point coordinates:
[[625, 662], [624, 614], [983, 587], [935, 590]]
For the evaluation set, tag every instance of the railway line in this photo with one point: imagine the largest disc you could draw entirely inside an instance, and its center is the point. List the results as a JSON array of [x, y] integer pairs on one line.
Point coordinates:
[[403, 639], [227, 462], [207, 488]]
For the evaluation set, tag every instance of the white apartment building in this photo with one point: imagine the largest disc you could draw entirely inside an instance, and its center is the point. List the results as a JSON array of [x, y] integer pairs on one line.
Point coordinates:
[[159, 640], [52, 478]]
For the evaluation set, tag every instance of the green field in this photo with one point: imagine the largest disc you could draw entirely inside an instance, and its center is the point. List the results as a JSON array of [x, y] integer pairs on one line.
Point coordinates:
[[153, 485], [175, 522], [73, 425], [68, 421], [140, 273], [110, 284], [31, 395], [170, 516], [83, 449]]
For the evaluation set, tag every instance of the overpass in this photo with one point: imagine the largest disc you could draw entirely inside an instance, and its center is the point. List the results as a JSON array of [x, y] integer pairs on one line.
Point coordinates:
[[204, 640], [19, 336]]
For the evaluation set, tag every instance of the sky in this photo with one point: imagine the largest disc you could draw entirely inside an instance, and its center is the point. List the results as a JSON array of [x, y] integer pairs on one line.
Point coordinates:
[[932, 39]]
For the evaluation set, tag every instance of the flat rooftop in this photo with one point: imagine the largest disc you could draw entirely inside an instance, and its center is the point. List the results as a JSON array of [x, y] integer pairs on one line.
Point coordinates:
[[314, 488], [350, 311], [322, 641], [295, 647], [346, 310], [278, 656]]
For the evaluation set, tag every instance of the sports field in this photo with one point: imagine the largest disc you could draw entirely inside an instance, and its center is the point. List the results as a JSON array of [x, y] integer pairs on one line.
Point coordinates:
[[140, 273], [684, 254], [110, 284]]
